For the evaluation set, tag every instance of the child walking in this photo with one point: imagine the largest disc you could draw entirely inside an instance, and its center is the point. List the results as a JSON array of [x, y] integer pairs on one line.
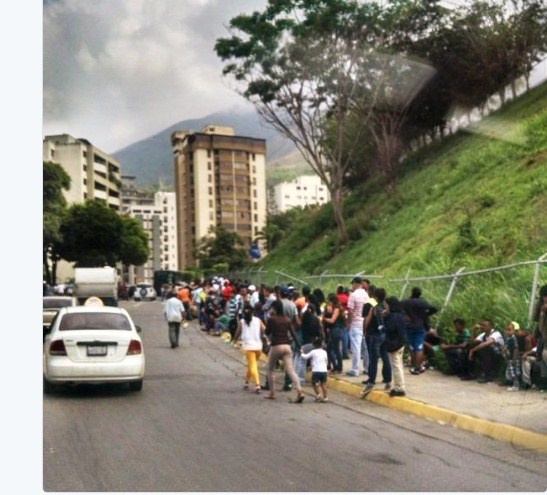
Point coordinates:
[[319, 369]]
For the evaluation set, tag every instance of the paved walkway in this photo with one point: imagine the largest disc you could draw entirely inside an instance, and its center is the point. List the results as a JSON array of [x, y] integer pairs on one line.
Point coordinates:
[[486, 409]]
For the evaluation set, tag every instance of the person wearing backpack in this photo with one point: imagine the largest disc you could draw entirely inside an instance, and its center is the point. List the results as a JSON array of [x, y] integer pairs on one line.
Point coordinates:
[[375, 324]]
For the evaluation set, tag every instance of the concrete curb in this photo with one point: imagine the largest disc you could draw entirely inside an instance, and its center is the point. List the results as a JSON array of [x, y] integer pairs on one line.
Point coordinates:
[[498, 431]]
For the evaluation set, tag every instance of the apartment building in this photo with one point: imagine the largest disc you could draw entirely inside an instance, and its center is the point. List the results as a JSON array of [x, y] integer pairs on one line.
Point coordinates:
[[302, 191], [94, 174], [157, 215], [220, 180]]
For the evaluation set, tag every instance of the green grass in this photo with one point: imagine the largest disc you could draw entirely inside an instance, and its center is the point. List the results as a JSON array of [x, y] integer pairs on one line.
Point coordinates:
[[476, 199]]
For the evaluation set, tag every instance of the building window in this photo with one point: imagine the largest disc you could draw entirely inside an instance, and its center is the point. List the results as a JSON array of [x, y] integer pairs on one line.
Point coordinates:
[[256, 217], [208, 153], [254, 193], [211, 203], [210, 178], [210, 191]]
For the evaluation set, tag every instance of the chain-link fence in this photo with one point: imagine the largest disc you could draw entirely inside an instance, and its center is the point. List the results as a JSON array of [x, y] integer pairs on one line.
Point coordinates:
[[503, 293]]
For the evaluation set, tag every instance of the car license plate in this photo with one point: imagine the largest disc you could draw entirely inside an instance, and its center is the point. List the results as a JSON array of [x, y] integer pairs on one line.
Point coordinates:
[[96, 350]]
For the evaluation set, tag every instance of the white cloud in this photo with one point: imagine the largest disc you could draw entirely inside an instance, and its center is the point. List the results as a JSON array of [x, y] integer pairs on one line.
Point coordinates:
[[116, 71]]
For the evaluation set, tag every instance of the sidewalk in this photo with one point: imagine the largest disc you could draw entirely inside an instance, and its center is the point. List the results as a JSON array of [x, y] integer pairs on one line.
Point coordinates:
[[486, 409]]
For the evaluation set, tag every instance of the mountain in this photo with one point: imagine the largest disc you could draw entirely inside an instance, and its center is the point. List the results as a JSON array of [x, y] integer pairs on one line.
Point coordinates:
[[151, 160]]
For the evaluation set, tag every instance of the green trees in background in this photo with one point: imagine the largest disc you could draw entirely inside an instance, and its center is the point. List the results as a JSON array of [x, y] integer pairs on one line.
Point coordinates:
[[221, 250], [352, 83], [55, 180], [96, 235], [90, 233]]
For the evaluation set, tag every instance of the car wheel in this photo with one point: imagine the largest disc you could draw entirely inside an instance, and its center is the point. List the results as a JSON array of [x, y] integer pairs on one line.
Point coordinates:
[[49, 387], [135, 386]]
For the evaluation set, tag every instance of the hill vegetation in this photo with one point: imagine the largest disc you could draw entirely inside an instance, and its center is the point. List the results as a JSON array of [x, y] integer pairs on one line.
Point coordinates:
[[476, 199]]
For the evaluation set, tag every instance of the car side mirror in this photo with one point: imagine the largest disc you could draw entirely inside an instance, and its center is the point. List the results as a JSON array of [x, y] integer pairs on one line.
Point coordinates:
[[139, 328]]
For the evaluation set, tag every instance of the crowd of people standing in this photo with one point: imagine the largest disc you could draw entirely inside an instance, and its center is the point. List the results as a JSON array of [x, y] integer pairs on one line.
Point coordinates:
[[306, 329]]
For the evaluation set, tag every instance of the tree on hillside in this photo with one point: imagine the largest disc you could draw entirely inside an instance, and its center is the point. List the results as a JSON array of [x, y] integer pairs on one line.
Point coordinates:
[[96, 235], [312, 68], [300, 63], [492, 43], [221, 247], [55, 180]]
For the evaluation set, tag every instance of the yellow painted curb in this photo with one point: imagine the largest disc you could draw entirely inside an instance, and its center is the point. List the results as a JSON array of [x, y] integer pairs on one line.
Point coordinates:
[[498, 431]]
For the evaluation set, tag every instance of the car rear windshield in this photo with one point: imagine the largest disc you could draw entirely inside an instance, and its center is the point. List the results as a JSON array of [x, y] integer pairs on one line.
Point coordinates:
[[94, 321], [57, 303]]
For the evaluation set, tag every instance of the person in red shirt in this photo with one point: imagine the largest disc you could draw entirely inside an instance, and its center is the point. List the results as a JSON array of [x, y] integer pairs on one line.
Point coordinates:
[[184, 296], [342, 296], [226, 291]]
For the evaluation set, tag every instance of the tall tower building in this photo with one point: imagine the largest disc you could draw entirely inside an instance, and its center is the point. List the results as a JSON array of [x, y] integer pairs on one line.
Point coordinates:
[[220, 180]]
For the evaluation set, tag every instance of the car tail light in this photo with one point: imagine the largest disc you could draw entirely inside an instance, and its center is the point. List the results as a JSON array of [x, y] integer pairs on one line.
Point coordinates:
[[135, 347], [57, 348]]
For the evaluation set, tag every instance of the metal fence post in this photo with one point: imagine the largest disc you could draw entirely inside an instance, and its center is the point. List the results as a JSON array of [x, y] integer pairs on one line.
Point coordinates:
[[405, 284], [534, 289], [449, 294]]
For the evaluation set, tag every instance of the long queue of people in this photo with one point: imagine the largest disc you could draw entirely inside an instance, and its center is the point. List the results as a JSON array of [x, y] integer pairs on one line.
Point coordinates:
[[303, 329]]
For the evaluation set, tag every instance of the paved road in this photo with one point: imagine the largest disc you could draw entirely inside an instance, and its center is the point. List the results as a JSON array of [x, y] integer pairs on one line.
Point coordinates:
[[192, 428]]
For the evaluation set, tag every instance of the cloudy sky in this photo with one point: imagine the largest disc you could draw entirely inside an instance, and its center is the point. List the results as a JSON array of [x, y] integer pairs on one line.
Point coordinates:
[[117, 71]]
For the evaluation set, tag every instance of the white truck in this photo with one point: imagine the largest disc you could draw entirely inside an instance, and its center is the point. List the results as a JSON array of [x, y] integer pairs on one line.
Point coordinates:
[[98, 282]]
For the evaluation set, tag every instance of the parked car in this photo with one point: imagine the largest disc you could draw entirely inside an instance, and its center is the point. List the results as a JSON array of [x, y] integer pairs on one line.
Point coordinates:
[[144, 291], [93, 344], [51, 306]]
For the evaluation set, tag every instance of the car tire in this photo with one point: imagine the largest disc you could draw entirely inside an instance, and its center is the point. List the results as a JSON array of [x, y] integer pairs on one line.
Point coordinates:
[[49, 387], [135, 386], [143, 293]]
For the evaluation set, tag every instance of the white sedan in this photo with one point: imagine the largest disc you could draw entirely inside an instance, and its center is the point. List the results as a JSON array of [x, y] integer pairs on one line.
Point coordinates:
[[90, 344]]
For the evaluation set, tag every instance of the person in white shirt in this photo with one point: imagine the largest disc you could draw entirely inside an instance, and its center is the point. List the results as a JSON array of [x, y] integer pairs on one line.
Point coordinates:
[[250, 331], [319, 369], [357, 299], [486, 351], [253, 295], [174, 313]]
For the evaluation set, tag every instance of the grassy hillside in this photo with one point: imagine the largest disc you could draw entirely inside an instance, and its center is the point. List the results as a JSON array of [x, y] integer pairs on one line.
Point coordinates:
[[477, 199]]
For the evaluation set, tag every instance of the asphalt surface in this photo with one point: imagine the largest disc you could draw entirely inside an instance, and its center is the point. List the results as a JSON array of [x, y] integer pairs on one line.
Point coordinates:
[[193, 428], [487, 409]]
